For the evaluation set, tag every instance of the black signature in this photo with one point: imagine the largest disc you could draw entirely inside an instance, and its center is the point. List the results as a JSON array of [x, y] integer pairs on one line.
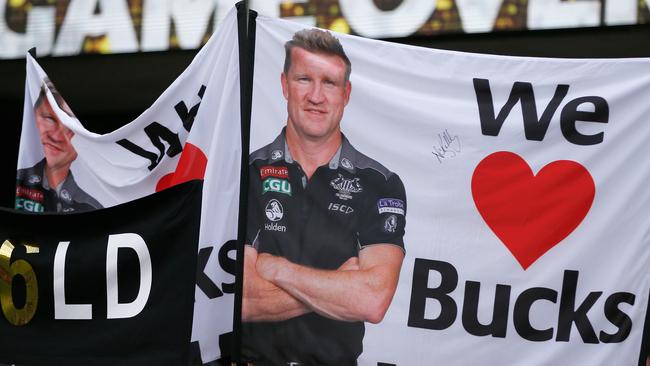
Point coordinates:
[[447, 146]]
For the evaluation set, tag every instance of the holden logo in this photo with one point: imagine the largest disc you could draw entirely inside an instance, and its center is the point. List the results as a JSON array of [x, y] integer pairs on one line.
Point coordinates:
[[274, 210]]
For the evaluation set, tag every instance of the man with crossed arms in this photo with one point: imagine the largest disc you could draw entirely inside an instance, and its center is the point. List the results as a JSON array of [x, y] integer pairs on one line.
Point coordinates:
[[325, 223]]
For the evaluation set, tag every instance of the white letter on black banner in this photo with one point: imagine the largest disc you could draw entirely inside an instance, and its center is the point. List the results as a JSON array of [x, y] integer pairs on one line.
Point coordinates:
[[126, 310], [61, 309]]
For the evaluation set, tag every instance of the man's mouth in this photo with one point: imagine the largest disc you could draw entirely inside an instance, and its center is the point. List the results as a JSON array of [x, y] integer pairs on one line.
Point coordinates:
[[51, 146], [315, 111]]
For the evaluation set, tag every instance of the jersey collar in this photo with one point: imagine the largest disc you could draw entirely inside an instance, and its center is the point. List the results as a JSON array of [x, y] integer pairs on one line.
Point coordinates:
[[343, 158]]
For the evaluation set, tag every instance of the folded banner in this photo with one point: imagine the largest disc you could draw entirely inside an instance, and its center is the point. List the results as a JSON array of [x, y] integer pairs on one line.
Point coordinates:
[[106, 287], [191, 132], [478, 207]]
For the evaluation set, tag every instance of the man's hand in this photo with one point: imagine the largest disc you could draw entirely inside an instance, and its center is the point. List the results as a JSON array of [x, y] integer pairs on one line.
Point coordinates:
[[262, 300], [268, 265]]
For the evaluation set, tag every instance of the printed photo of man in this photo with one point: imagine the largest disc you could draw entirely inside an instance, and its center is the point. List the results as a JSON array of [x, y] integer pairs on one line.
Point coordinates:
[[326, 223], [49, 185]]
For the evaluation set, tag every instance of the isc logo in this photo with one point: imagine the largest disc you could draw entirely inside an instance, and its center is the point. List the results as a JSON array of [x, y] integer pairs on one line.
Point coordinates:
[[340, 207]]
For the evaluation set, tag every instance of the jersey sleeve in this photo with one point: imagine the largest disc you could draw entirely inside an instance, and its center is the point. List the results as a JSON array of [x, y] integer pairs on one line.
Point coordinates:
[[384, 219], [253, 224]]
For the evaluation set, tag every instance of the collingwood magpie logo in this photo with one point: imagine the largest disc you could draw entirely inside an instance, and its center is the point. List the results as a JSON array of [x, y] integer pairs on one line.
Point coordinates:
[[346, 187], [274, 212], [65, 196], [276, 155], [390, 224], [346, 164]]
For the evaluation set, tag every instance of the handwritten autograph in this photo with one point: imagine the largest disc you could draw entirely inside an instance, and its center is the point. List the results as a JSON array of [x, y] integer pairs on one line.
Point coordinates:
[[447, 146]]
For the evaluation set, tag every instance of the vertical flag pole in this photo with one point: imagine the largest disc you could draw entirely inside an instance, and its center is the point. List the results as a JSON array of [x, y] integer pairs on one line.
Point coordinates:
[[246, 35]]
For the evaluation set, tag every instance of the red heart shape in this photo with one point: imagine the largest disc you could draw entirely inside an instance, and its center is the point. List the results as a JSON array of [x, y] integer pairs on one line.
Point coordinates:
[[191, 165], [531, 213]]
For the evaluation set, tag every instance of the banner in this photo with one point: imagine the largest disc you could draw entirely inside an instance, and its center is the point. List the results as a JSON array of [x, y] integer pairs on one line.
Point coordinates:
[[192, 131], [106, 287], [476, 207]]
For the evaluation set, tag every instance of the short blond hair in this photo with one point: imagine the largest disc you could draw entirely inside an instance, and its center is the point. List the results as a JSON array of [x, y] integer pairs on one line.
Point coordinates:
[[316, 41]]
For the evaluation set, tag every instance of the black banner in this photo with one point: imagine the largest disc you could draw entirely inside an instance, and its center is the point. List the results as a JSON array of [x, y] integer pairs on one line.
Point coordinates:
[[106, 287]]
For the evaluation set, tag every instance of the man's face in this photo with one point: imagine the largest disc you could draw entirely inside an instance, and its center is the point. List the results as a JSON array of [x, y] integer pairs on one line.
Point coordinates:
[[316, 93], [55, 137]]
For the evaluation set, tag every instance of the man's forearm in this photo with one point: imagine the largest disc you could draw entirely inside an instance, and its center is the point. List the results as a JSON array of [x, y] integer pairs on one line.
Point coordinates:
[[264, 301], [348, 295], [333, 294]]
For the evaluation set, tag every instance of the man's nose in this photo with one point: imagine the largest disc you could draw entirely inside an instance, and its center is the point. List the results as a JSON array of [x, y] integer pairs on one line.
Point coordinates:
[[55, 130], [48, 128], [316, 95]]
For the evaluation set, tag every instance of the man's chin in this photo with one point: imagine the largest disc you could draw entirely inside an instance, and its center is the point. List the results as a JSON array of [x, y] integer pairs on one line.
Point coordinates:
[[319, 135], [57, 164], [56, 158]]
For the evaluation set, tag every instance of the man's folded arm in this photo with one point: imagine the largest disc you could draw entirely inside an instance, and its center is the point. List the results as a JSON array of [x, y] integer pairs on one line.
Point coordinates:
[[262, 300], [356, 293]]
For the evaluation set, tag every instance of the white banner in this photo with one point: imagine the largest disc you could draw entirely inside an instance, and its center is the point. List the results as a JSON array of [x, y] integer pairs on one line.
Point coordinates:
[[191, 132], [527, 225]]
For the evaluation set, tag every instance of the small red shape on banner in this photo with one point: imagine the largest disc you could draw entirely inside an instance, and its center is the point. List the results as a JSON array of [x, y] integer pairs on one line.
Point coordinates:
[[191, 165], [531, 213]]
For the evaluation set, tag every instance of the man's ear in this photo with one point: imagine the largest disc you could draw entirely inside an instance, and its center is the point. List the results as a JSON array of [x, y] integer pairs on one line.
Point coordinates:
[[285, 86], [348, 91]]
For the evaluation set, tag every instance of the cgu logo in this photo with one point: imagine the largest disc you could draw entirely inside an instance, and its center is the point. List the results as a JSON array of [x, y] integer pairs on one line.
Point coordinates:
[[28, 205], [276, 185]]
